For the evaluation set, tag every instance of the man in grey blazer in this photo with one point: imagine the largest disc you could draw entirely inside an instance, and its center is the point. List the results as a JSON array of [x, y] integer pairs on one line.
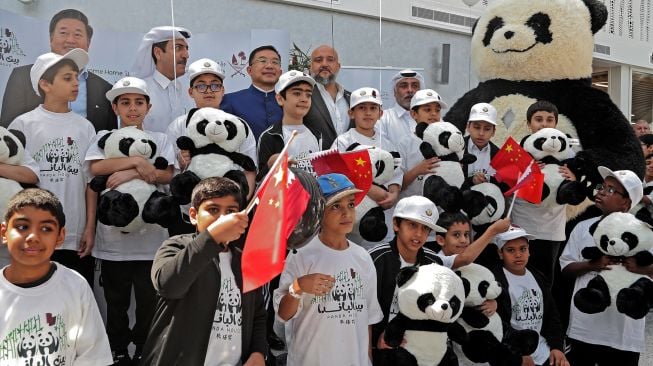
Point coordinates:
[[69, 29], [330, 100]]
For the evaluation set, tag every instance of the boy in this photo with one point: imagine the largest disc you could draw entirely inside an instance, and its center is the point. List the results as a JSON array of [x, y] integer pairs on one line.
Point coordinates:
[[646, 141], [294, 90], [525, 303], [425, 106], [49, 305], [58, 139], [412, 221], [127, 257], [365, 110], [607, 338], [328, 288], [202, 317], [481, 127]]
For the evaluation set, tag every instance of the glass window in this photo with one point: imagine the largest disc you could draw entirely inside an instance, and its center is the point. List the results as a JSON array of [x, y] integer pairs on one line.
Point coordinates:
[[642, 96]]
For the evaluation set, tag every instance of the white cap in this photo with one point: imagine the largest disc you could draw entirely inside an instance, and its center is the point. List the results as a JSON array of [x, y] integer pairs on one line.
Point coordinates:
[[205, 66], [144, 65], [126, 85], [364, 95], [632, 184], [426, 96], [513, 233], [419, 209], [483, 112], [47, 60], [408, 73], [291, 77]]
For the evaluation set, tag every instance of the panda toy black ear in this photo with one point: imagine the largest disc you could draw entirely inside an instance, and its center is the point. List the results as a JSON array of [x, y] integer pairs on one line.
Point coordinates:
[[103, 140], [598, 14], [521, 143], [420, 128], [245, 125], [20, 136], [405, 274], [593, 227], [185, 143], [353, 146]]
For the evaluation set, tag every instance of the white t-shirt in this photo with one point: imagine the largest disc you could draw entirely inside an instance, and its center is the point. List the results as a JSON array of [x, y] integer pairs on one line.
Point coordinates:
[[169, 98], [482, 163], [608, 328], [332, 329], [528, 309], [305, 142], [408, 147], [54, 323], [447, 260], [225, 343], [114, 245], [58, 143], [396, 123]]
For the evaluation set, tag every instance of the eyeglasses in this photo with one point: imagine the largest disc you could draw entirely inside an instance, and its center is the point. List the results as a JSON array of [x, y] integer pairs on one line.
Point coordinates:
[[609, 191], [265, 61], [202, 88]]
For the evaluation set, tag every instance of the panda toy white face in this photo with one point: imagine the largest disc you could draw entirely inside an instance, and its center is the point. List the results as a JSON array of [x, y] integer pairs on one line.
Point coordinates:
[[495, 207], [536, 40], [445, 138], [213, 126], [130, 141], [622, 234], [548, 142], [479, 284], [11, 148]]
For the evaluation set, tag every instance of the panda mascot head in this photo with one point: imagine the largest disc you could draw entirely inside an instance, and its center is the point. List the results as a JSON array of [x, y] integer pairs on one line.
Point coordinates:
[[12, 150], [135, 203], [622, 237]]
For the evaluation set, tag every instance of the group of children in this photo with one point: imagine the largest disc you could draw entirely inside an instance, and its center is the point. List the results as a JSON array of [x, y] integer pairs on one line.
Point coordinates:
[[334, 296]]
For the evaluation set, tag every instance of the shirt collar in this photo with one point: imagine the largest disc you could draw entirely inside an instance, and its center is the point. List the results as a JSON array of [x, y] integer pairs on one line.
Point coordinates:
[[474, 148], [163, 81], [401, 112], [340, 90], [263, 91], [83, 74]]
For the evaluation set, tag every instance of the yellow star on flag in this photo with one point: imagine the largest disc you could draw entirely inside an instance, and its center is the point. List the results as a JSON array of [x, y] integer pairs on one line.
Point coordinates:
[[360, 161], [509, 148]]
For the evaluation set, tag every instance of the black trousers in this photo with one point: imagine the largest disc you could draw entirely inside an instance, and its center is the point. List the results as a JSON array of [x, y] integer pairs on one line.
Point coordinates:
[[585, 354], [69, 258], [118, 278], [544, 258]]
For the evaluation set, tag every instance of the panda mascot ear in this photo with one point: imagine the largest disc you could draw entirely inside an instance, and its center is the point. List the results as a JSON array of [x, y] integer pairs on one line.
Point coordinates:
[[103, 140], [420, 128], [406, 274], [353, 146], [598, 14], [20, 136]]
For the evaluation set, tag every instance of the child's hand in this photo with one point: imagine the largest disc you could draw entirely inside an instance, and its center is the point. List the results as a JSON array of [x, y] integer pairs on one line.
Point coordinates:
[[527, 361], [146, 170], [380, 344], [377, 194], [488, 307], [87, 242], [567, 173], [557, 358], [500, 226], [427, 166], [478, 178], [631, 265], [183, 158], [229, 227], [121, 177], [317, 284], [389, 201], [601, 264]]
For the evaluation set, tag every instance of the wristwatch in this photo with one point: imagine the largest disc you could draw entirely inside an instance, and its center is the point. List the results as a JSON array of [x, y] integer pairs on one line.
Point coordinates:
[[292, 292]]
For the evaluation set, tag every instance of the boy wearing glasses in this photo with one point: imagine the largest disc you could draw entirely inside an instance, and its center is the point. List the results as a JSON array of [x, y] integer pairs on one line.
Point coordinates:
[[606, 338]]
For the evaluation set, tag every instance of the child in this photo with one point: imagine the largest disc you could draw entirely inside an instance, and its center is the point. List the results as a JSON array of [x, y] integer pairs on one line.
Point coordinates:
[[525, 302], [647, 143], [294, 90], [58, 139], [412, 221], [481, 127], [365, 111], [328, 288], [202, 315], [127, 257], [609, 337], [648, 183], [425, 106], [455, 240], [43, 302], [546, 224]]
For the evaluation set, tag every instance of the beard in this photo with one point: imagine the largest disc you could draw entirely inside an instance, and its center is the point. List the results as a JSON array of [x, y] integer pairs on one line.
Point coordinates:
[[325, 80]]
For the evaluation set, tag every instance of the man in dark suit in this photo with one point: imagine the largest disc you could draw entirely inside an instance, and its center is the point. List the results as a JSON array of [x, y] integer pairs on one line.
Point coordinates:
[[330, 100], [69, 29]]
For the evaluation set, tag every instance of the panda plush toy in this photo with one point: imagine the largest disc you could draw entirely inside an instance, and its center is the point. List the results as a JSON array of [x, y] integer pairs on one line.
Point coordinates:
[[445, 141], [12, 152], [430, 300], [484, 204], [485, 342], [619, 235], [213, 138], [135, 203], [524, 51], [370, 222], [551, 147]]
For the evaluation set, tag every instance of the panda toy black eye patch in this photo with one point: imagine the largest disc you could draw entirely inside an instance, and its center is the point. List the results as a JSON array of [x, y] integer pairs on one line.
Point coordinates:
[[153, 147], [630, 239], [125, 144], [540, 23], [455, 304], [380, 167], [201, 126], [444, 139], [232, 130], [492, 26], [424, 301]]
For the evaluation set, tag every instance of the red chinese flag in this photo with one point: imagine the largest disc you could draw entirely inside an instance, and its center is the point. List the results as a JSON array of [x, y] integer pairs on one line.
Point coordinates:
[[282, 201], [510, 162], [529, 185], [356, 165]]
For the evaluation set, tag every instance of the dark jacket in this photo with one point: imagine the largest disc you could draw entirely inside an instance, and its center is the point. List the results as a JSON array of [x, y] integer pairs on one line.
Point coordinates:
[[551, 326], [387, 263], [187, 281], [318, 117], [258, 108], [271, 142], [493, 151], [20, 98]]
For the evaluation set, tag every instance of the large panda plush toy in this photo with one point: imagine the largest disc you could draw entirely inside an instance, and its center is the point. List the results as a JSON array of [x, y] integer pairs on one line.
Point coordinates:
[[524, 51], [213, 138], [551, 147], [430, 300], [12, 152], [619, 235], [484, 204], [445, 141], [135, 203]]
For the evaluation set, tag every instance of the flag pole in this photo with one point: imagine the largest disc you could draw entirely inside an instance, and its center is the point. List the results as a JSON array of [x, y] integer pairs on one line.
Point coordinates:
[[274, 166], [514, 197]]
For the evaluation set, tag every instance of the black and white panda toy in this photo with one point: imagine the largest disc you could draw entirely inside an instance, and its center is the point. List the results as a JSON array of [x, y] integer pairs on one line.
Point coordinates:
[[445, 141], [12, 152], [213, 138], [430, 300], [483, 204], [619, 235], [525, 51], [135, 203], [551, 147]]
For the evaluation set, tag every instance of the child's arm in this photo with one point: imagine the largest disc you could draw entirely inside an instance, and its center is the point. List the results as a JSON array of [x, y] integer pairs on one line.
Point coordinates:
[[392, 196], [88, 237], [317, 284], [146, 170], [425, 167], [474, 250], [19, 173]]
